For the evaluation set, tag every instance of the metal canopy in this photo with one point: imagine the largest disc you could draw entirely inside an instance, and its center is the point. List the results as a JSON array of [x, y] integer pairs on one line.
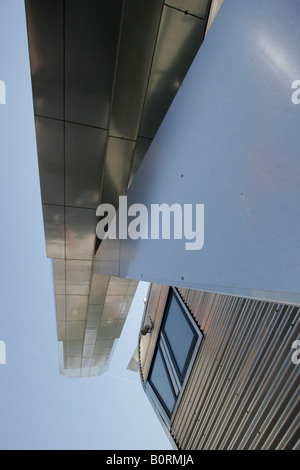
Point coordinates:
[[104, 74]]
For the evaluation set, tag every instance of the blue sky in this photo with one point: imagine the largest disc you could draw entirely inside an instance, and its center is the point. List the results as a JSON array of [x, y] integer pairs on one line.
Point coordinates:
[[39, 409]]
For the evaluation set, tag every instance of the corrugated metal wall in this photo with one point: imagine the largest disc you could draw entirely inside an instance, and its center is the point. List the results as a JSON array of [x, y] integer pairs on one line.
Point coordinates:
[[243, 391]]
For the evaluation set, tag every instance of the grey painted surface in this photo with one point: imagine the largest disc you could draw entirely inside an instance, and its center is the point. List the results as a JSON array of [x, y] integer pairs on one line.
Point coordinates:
[[230, 141]]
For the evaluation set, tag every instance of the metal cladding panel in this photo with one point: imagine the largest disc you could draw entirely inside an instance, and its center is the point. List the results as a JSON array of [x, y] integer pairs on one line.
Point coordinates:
[[54, 226], [60, 302], [46, 56], [91, 41], [117, 169], [80, 233], [75, 331], [76, 307], [179, 39], [243, 389], [50, 147], [84, 162], [61, 331], [141, 148], [194, 7], [140, 23], [98, 289], [59, 273], [92, 66], [78, 277], [230, 141]]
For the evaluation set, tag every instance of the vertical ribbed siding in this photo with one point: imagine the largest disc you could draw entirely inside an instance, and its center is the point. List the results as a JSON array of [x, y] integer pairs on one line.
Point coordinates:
[[243, 390]]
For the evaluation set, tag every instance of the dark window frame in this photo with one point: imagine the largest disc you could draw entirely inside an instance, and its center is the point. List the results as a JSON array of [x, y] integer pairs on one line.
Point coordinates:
[[177, 379]]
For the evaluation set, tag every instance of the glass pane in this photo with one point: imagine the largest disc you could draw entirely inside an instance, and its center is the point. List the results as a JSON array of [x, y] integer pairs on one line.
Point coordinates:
[[160, 380], [179, 333]]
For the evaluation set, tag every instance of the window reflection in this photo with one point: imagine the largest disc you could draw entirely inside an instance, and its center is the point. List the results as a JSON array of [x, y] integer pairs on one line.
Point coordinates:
[[179, 333], [161, 381]]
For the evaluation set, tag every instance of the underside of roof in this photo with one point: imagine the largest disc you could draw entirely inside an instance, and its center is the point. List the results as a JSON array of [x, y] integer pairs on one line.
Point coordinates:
[[104, 74]]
